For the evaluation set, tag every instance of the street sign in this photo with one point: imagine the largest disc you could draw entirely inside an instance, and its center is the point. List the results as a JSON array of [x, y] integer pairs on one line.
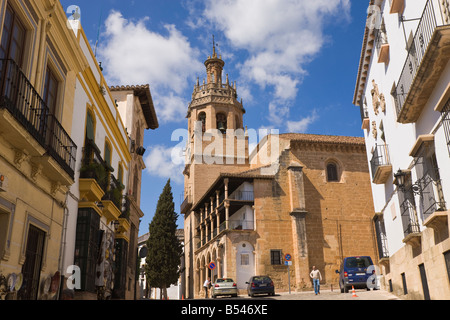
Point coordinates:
[[212, 266], [287, 257], [288, 263]]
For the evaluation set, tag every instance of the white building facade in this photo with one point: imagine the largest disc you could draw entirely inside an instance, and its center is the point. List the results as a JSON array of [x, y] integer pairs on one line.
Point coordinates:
[[403, 92]]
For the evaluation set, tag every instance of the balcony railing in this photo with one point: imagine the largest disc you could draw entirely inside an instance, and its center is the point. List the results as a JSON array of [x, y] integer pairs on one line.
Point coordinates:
[[408, 211], [60, 146], [93, 165], [243, 196], [241, 225], [432, 17], [380, 164], [19, 97], [383, 251], [428, 185], [113, 191]]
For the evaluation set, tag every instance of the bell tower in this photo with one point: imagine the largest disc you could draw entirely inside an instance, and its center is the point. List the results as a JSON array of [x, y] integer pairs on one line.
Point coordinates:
[[217, 142]]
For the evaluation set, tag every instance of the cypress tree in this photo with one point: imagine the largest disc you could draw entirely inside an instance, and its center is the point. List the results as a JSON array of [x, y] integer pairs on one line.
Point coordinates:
[[164, 249]]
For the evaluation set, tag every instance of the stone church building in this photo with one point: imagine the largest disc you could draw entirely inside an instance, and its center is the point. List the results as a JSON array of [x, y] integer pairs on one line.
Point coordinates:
[[304, 195]]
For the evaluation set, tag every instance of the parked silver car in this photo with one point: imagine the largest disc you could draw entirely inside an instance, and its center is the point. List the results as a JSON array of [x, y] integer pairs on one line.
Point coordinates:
[[224, 287]]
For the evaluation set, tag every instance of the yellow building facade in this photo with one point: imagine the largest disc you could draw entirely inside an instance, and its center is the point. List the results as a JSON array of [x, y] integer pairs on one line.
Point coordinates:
[[39, 61], [64, 161]]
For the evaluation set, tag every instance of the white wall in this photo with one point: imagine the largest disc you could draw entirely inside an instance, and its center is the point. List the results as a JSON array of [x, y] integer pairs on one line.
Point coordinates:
[[400, 138]]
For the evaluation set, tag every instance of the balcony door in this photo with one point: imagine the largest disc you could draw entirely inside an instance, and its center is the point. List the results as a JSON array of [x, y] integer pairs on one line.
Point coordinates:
[[11, 47], [13, 37]]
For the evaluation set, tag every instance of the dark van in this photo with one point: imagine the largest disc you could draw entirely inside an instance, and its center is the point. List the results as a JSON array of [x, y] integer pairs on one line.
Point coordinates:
[[353, 272]]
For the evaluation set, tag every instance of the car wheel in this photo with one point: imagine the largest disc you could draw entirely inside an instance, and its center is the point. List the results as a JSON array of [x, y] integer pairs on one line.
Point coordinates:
[[346, 289]]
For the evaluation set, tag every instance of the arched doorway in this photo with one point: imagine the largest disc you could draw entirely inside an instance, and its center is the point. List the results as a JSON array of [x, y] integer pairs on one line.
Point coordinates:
[[245, 264]]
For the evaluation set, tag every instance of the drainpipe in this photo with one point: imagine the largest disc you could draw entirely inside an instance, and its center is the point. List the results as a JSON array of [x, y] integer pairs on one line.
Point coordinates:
[[62, 250]]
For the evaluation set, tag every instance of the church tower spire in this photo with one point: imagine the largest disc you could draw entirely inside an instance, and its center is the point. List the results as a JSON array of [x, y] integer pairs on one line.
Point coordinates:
[[216, 110]]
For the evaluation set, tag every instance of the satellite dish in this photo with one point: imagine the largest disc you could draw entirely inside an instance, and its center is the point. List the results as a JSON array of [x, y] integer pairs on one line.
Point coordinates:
[[143, 252]]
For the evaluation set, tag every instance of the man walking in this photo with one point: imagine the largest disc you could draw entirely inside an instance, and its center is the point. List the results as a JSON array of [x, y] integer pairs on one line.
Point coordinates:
[[316, 277]]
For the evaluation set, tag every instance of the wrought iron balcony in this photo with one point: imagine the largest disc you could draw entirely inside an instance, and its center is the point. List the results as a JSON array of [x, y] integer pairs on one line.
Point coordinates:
[[427, 57], [60, 146], [380, 164], [19, 97]]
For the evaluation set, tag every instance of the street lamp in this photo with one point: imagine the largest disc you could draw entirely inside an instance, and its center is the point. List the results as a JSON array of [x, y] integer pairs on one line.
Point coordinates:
[[400, 181], [400, 178]]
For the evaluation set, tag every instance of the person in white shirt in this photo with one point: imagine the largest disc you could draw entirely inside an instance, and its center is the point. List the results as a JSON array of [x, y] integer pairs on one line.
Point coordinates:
[[316, 277], [206, 285]]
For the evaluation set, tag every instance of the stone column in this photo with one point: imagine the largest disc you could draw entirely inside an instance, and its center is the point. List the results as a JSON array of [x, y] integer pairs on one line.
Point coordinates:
[[298, 214]]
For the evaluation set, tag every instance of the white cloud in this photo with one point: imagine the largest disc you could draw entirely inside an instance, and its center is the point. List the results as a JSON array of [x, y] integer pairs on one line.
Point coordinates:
[[281, 37], [165, 162], [133, 54], [302, 125]]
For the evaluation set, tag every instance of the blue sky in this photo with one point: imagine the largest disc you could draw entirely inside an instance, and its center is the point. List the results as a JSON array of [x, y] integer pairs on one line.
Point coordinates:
[[295, 63]]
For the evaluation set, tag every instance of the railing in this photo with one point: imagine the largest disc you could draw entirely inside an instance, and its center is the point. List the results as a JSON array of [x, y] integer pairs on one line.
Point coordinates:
[[20, 98], [427, 25], [380, 158], [381, 239], [113, 191], [60, 146], [93, 166], [409, 218], [408, 211], [428, 185], [364, 111], [244, 196], [241, 225]]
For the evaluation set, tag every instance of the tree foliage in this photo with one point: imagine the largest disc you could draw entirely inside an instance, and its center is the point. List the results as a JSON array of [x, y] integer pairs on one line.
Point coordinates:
[[164, 248]]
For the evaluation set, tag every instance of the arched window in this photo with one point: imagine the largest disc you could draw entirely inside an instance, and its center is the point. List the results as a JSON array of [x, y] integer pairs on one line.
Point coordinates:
[[332, 172], [238, 122], [202, 118], [221, 122]]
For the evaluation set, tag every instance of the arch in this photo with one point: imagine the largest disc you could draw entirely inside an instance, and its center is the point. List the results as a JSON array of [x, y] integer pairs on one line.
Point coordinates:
[[237, 122], [332, 171], [221, 119], [202, 118]]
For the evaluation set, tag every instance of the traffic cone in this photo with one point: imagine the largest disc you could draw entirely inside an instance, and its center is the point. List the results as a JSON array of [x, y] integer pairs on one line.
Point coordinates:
[[182, 297], [354, 292]]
